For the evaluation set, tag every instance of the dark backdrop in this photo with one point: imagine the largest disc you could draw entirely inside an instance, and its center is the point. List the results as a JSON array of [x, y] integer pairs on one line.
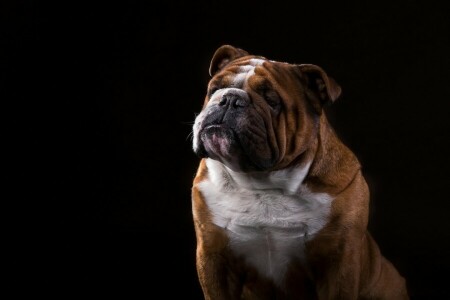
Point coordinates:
[[99, 101]]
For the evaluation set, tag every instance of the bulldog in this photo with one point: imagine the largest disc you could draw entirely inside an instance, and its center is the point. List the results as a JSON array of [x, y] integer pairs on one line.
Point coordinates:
[[280, 204]]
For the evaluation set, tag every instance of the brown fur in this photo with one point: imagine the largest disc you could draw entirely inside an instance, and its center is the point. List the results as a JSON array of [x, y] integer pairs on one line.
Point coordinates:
[[344, 262]]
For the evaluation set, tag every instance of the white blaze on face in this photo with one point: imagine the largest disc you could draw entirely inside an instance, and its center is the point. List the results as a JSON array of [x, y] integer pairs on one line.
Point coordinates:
[[246, 71]]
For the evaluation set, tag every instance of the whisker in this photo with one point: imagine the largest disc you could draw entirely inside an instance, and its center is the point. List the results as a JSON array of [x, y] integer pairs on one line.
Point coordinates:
[[190, 135], [187, 122]]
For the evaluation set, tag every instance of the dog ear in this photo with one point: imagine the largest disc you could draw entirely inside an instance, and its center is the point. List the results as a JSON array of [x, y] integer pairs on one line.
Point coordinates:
[[223, 56], [318, 81]]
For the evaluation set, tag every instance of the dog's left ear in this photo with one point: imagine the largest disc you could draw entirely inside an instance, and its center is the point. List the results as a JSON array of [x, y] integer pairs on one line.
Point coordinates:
[[319, 82], [223, 56]]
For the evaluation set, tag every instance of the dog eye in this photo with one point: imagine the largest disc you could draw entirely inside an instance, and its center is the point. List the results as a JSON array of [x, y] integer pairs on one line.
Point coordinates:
[[272, 98], [273, 103], [269, 95]]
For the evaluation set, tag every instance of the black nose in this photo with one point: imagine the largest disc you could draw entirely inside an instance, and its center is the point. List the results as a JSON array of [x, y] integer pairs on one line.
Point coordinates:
[[233, 100]]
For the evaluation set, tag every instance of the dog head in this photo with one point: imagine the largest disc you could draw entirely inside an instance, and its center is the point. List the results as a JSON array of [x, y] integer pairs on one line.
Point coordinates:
[[260, 114]]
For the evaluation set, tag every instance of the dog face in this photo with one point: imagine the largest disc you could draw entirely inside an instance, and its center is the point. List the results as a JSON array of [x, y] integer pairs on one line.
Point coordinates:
[[259, 114]]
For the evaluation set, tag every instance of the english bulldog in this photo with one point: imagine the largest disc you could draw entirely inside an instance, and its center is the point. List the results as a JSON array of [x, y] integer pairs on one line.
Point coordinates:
[[280, 204]]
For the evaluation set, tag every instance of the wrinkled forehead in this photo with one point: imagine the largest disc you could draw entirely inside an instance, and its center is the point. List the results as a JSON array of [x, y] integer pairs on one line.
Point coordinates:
[[245, 70], [238, 73], [252, 71]]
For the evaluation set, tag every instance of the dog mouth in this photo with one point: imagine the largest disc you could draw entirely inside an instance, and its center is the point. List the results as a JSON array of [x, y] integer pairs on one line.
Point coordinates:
[[237, 140], [218, 140]]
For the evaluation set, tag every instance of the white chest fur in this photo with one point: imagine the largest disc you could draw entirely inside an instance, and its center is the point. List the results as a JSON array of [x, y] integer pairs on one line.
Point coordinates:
[[268, 217]]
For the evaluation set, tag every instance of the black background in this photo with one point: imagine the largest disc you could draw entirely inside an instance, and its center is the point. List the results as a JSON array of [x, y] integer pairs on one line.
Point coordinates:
[[99, 101]]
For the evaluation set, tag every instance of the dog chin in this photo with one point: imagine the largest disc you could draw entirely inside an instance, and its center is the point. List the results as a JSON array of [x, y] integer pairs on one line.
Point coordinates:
[[218, 143], [221, 143]]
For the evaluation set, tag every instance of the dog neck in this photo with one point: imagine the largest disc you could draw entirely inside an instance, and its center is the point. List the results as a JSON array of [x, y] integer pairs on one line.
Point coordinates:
[[334, 165], [287, 181]]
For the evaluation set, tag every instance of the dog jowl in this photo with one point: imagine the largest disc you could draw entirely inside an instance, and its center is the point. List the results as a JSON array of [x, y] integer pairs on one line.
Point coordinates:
[[280, 204]]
